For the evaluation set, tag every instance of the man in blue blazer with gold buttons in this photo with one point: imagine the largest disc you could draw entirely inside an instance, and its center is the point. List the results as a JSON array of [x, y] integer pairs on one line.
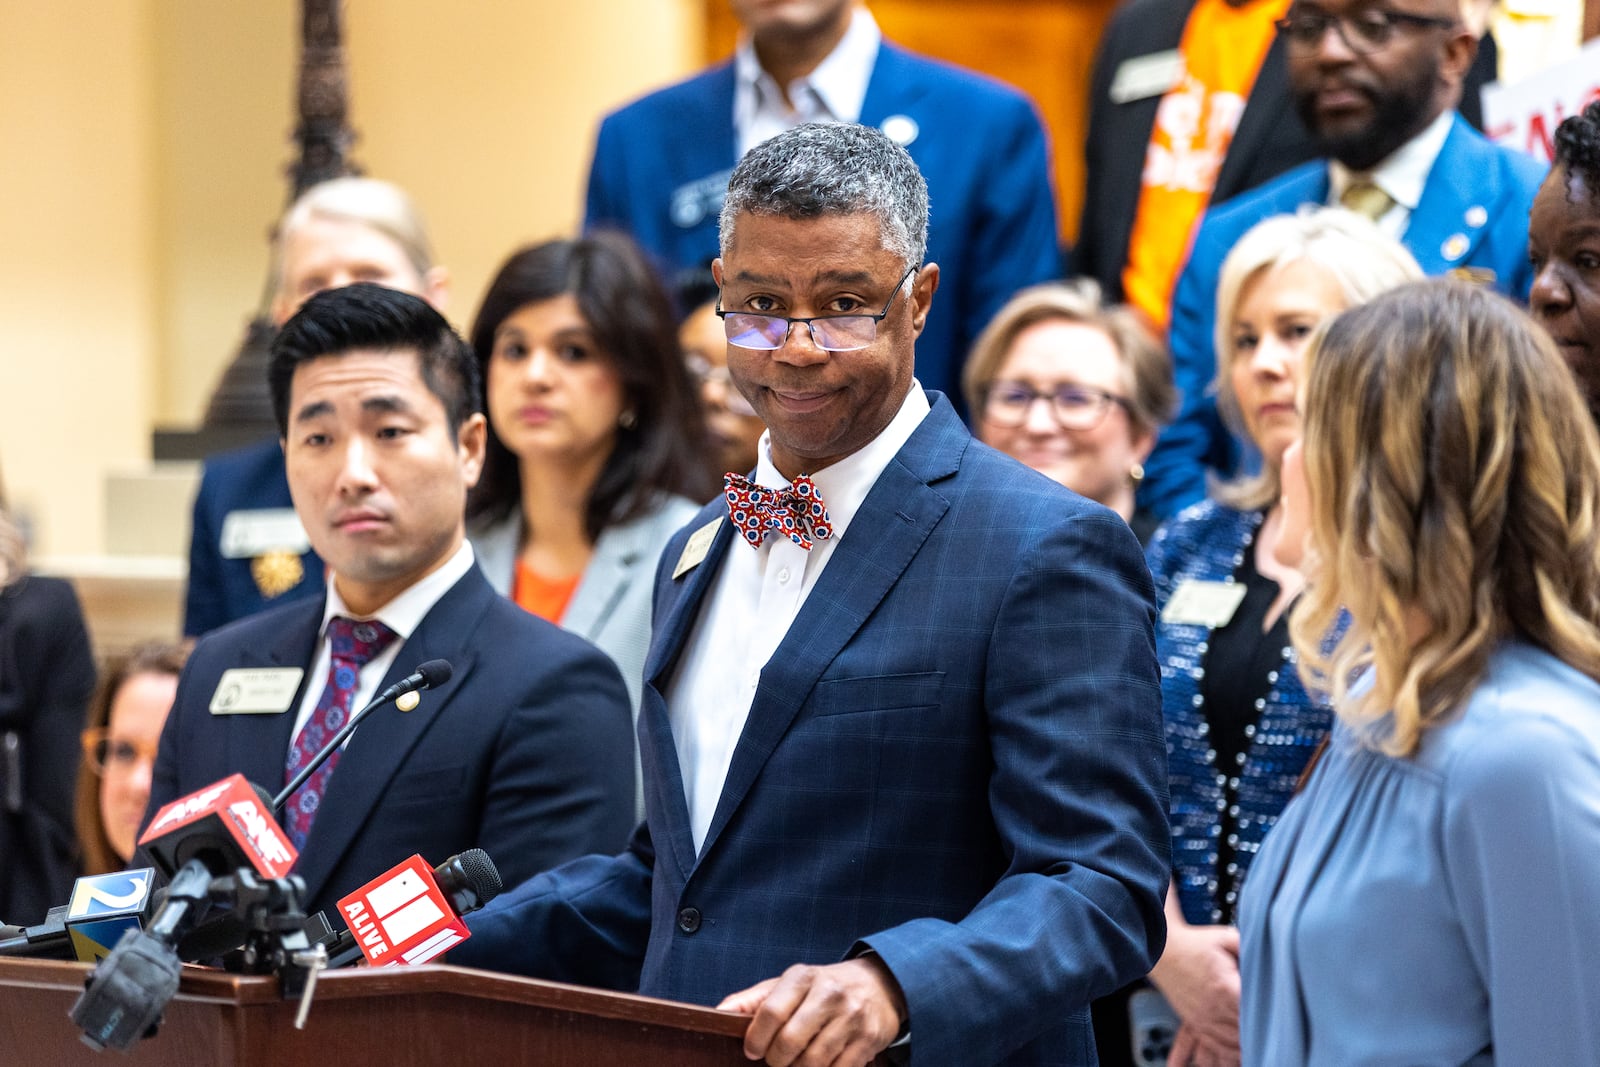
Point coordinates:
[[661, 163], [904, 772], [1378, 91]]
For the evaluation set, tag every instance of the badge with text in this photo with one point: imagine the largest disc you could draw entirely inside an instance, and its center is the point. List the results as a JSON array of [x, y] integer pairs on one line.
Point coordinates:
[[247, 534], [695, 551], [1208, 604], [1145, 76], [256, 690]]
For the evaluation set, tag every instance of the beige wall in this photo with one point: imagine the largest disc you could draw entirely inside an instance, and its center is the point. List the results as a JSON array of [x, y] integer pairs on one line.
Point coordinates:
[[146, 141], [78, 304]]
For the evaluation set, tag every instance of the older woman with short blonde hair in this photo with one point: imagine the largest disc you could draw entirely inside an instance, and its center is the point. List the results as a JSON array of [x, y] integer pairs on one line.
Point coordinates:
[[1240, 726], [1106, 380]]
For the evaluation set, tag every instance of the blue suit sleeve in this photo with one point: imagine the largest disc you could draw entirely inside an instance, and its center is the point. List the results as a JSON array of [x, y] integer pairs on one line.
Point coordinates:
[[1521, 832], [204, 598], [586, 922], [1175, 473], [603, 202], [1016, 242], [1079, 800], [562, 782]]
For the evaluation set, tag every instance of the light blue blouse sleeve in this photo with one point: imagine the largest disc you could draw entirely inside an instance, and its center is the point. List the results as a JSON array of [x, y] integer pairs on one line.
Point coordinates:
[[1522, 852]]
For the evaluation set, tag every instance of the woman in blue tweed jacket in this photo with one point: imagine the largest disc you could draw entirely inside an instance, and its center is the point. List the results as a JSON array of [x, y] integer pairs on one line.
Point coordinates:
[[1240, 724]]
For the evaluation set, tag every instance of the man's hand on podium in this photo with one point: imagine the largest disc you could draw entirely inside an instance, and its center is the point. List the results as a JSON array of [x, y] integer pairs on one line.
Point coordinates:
[[840, 1015]]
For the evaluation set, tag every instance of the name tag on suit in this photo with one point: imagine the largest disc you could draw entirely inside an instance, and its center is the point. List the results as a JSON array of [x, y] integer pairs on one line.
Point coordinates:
[[1208, 604], [256, 690], [247, 534], [694, 552], [1142, 77]]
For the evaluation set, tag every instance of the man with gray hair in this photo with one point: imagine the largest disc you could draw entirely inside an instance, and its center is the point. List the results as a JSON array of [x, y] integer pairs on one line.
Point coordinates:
[[903, 760]]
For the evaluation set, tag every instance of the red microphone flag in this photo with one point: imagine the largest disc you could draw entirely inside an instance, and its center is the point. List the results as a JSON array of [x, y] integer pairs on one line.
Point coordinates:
[[403, 917]]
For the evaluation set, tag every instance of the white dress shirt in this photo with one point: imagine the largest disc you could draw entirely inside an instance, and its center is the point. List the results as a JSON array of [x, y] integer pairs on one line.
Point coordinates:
[[403, 615], [1403, 175], [833, 92], [748, 611]]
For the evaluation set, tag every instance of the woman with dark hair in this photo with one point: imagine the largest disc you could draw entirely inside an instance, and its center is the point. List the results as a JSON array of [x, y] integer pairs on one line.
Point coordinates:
[[119, 753], [595, 451], [1564, 243]]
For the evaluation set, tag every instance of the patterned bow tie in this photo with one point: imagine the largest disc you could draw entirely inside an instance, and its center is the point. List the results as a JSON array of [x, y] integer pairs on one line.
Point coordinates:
[[797, 512]]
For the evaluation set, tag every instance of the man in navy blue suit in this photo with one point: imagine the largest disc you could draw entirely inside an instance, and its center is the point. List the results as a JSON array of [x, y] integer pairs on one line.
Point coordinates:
[[661, 163], [526, 751], [1378, 87], [903, 761]]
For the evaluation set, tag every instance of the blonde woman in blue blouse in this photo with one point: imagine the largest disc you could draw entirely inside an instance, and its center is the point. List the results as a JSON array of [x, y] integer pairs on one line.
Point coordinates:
[[1433, 896]]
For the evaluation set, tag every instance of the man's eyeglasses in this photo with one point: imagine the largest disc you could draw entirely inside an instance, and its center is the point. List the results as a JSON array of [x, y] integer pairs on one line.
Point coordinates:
[[1075, 407], [708, 373], [1363, 32], [112, 755], [832, 333]]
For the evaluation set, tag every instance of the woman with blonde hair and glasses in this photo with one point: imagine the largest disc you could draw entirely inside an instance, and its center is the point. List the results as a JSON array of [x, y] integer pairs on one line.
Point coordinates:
[[1239, 724], [119, 752], [1106, 383], [1433, 895]]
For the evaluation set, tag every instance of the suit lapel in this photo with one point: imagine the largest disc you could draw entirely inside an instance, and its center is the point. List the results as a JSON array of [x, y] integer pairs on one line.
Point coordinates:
[[884, 537], [258, 745], [893, 87], [670, 633], [1438, 232], [604, 580], [382, 744]]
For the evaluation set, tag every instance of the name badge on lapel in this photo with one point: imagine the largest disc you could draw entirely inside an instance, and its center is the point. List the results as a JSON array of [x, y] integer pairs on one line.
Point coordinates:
[[256, 690], [1208, 604], [694, 201], [695, 551], [1145, 76], [246, 534]]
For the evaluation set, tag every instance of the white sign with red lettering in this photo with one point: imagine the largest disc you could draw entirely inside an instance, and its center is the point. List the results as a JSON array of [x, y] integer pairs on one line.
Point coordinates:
[[1524, 116]]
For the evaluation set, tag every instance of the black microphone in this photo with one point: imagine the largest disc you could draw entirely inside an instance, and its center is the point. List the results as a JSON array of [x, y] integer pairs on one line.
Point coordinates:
[[433, 673], [128, 990], [468, 881]]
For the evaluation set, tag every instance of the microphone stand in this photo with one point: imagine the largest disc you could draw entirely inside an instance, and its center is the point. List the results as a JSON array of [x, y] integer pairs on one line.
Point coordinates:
[[327, 750]]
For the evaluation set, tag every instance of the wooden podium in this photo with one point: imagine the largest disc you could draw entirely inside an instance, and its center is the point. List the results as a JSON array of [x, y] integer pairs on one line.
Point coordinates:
[[394, 1017]]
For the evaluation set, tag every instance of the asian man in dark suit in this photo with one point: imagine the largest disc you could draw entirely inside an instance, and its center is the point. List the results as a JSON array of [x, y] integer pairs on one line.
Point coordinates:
[[904, 772], [247, 550], [525, 752]]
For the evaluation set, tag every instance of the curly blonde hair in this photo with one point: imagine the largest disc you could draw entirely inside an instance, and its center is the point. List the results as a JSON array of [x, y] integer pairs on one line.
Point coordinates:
[[1454, 475]]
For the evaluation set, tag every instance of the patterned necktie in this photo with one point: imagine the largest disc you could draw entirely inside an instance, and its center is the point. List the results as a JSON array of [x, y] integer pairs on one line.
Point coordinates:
[[797, 512], [1365, 198], [351, 646]]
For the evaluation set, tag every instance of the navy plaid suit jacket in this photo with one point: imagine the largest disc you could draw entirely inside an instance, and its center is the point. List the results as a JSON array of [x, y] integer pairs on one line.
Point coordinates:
[[954, 759]]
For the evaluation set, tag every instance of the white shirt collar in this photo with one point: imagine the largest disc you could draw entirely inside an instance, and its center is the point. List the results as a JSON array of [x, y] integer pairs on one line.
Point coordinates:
[[844, 485], [834, 92], [405, 612], [1404, 174]]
